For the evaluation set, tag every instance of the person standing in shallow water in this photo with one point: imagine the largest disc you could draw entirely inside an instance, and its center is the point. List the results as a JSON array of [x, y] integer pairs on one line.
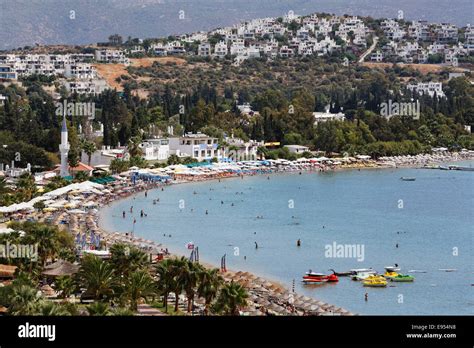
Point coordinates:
[[256, 245], [123, 214], [298, 242]]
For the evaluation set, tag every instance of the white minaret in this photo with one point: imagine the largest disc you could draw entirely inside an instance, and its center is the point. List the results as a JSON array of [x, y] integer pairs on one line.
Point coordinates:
[[64, 149]]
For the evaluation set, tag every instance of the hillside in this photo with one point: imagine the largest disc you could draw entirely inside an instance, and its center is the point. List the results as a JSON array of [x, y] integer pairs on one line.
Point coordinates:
[[30, 22]]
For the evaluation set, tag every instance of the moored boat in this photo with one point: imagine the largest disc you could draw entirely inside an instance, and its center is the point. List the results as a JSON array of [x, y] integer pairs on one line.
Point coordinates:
[[390, 274], [341, 274], [316, 278], [402, 278], [362, 273], [375, 281], [404, 178]]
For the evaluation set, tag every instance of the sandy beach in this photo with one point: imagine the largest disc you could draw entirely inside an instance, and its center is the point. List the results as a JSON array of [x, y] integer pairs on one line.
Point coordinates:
[[265, 297]]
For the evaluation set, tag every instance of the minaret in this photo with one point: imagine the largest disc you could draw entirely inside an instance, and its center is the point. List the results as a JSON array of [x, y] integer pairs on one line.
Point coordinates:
[[64, 149]]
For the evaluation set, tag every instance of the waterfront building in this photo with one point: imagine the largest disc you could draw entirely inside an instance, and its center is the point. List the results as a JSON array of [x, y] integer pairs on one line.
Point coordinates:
[[155, 149], [198, 146]]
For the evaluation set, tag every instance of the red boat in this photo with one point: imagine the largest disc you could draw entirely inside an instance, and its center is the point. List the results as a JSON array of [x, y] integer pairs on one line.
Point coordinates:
[[315, 278]]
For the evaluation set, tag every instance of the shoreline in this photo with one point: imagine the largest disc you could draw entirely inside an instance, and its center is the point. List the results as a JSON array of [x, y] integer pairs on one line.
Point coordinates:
[[266, 296]]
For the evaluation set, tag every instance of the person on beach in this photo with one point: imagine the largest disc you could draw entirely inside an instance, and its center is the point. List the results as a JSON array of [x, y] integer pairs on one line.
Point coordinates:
[[131, 209], [123, 214]]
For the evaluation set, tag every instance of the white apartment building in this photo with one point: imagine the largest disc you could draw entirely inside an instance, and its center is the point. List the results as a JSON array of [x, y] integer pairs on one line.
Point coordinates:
[[204, 50], [240, 150], [111, 56], [155, 149], [430, 88], [198, 146], [220, 49], [327, 116], [80, 71], [94, 86]]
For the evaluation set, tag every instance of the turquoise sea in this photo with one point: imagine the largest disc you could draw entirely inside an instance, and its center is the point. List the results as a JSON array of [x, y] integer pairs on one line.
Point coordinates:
[[430, 219]]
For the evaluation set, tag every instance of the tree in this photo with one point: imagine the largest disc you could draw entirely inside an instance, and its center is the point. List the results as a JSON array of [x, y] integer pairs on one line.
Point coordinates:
[[139, 285], [231, 298], [210, 281], [166, 281], [189, 278], [51, 309], [24, 300], [65, 285], [98, 278], [73, 160], [27, 187], [99, 309], [178, 270], [89, 148], [118, 165], [134, 147], [45, 237], [127, 259], [173, 159]]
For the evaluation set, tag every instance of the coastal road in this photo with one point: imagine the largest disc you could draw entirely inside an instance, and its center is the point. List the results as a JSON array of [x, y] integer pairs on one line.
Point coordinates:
[[369, 51]]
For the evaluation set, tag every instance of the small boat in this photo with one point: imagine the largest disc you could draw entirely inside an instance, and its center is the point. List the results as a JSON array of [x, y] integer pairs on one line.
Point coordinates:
[[362, 273], [447, 269], [392, 268], [390, 274], [341, 274], [375, 281], [404, 178], [403, 278], [316, 278]]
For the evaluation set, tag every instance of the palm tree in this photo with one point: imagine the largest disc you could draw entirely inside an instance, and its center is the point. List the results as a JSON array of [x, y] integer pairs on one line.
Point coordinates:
[[89, 148], [262, 151], [134, 147], [165, 282], [139, 285], [178, 270], [231, 298], [65, 285], [46, 238], [98, 309], [126, 259], [122, 312], [27, 187], [24, 300], [210, 281], [48, 308], [98, 277], [188, 276]]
